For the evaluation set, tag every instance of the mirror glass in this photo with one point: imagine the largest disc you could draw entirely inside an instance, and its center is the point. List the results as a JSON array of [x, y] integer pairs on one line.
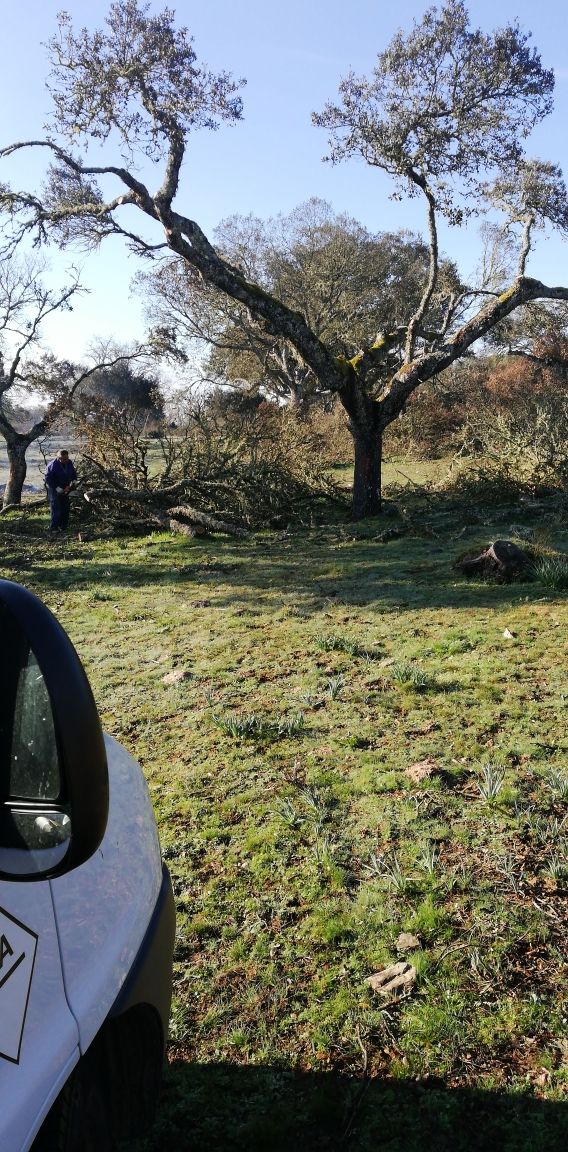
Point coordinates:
[[34, 763], [34, 834], [32, 841]]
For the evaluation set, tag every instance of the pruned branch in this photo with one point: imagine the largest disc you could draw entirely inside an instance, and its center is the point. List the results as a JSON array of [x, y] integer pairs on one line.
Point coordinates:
[[202, 520]]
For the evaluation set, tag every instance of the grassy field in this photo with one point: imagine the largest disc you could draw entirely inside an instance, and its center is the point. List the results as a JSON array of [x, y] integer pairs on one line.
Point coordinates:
[[362, 744]]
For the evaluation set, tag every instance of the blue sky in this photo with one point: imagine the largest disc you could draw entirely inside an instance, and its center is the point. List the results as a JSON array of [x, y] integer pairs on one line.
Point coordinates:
[[293, 55]]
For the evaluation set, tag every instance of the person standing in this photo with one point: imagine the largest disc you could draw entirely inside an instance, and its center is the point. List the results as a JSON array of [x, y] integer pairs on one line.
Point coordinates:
[[60, 479]]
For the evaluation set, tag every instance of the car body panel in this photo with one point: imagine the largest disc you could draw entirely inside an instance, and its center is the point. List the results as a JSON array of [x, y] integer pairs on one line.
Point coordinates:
[[103, 908], [39, 1039]]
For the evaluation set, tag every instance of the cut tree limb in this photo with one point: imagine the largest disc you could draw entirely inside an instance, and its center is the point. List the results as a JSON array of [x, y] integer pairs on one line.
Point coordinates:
[[147, 505], [395, 980], [203, 520]]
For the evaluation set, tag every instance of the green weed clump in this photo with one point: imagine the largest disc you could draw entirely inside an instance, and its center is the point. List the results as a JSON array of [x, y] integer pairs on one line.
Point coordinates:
[[490, 782], [329, 642], [334, 686], [412, 677], [557, 781], [250, 726], [551, 572]]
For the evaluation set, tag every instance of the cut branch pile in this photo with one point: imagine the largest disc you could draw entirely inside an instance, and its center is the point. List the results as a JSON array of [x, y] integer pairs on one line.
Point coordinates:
[[124, 508], [266, 472]]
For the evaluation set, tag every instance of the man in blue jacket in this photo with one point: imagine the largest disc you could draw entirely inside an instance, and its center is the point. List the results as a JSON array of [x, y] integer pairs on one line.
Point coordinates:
[[60, 479]]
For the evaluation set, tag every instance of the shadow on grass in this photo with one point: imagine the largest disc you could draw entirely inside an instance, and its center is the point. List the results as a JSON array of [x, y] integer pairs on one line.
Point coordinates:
[[305, 570], [411, 567], [224, 1108]]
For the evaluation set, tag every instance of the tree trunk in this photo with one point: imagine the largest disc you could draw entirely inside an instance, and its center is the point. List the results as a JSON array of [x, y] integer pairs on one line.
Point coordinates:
[[366, 425], [367, 473], [16, 448]]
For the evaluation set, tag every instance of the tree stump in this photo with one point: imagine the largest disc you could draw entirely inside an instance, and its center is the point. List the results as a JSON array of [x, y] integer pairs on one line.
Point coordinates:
[[503, 560]]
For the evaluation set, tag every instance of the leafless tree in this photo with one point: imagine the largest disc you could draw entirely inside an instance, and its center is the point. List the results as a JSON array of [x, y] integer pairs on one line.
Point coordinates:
[[27, 371]]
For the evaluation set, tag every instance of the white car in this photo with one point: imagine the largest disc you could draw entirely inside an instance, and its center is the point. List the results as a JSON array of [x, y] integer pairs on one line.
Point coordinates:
[[86, 908]]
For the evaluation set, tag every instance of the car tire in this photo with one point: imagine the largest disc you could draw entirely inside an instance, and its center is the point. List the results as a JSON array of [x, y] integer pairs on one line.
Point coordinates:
[[81, 1118], [112, 1094]]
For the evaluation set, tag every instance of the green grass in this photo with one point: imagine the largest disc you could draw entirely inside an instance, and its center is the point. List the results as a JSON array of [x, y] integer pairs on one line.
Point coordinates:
[[321, 666]]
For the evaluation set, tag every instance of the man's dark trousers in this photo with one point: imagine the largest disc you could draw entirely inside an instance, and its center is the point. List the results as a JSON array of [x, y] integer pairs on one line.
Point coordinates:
[[59, 504]]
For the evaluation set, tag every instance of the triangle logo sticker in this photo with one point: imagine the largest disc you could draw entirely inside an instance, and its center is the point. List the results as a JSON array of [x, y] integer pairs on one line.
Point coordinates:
[[17, 956]]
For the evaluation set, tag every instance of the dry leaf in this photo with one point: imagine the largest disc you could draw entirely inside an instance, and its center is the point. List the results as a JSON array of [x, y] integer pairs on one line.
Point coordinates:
[[421, 770], [176, 676], [407, 941]]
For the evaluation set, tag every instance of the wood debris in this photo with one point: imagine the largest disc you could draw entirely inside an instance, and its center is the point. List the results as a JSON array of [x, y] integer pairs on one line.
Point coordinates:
[[395, 980]]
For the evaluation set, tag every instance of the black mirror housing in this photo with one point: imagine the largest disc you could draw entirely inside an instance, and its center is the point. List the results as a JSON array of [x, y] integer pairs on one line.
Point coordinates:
[[81, 753]]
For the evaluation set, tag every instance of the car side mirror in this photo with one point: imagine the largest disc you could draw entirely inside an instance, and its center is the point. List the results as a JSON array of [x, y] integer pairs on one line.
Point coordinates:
[[53, 767]]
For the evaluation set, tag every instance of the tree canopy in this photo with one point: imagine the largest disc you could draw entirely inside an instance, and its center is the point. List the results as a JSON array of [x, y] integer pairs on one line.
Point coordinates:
[[119, 385], [347, 284], [445, 103]]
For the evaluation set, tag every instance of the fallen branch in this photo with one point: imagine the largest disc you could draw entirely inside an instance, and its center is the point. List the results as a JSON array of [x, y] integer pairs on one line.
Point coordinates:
[[203, 520], [23, 507], [146, 508]]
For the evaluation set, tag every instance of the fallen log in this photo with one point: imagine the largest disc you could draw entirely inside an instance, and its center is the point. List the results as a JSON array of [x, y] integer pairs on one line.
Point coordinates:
[[203, 520], [27, 507], [171, 524], [148, 506]]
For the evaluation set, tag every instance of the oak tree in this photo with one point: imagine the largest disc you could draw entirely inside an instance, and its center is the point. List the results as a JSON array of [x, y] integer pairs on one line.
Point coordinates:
[[346, 283], [445, 113]]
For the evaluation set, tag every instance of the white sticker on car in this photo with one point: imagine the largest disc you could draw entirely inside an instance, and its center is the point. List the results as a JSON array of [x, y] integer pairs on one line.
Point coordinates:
[[17, 956]]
